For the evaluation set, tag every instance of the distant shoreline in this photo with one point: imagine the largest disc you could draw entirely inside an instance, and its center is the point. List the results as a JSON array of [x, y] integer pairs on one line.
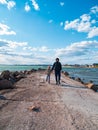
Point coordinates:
[[64, 66]]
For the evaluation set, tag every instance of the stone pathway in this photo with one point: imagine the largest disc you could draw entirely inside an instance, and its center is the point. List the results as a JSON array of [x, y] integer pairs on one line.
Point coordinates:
[[69, 106]]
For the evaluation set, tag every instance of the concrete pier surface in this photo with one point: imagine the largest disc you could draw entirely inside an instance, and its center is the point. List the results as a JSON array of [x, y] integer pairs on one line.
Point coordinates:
[[36, 105]]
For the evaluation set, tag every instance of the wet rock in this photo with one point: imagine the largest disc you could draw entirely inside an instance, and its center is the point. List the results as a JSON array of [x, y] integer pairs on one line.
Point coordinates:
[[95, 88], [16, 76], [5, 74], [89, 85], [40, 69], [33, 70], [72, 78], [92, 86], [6, 84], [66, 73], [1, 77], [20, 76], [16, 73], [79, 80], [25, 72], [91, 81]]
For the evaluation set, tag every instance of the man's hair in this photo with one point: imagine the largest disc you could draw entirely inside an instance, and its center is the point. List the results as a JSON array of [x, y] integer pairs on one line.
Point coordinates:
[[57, 59]]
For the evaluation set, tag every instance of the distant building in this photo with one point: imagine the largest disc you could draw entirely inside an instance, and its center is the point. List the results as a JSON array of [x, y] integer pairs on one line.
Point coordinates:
[[95, 65]]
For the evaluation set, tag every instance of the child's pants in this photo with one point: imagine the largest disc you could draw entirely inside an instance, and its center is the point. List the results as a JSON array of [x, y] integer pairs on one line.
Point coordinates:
[[48, 78]]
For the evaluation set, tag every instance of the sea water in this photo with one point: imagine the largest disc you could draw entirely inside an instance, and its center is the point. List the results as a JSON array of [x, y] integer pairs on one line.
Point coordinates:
[[20, 67], [86, 74]]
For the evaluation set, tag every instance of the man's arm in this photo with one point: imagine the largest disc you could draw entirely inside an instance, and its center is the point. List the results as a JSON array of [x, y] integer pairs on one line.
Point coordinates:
[[60, 66], [53, 67]]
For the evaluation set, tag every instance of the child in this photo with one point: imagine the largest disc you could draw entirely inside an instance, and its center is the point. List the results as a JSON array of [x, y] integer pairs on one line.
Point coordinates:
[[48, 72]]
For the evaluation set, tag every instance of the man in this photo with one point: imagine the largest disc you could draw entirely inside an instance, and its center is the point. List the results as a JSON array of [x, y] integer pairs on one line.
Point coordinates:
[[57, 67]]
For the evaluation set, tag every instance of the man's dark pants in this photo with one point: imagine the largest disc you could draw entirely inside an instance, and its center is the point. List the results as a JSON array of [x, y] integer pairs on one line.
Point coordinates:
[[57, 76]]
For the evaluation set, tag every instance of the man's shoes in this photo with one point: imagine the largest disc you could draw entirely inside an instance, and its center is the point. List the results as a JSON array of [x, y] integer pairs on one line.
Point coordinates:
[[57, 83]]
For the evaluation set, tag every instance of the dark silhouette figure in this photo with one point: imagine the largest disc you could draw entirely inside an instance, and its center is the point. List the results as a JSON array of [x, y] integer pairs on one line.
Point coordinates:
[[57, 67]]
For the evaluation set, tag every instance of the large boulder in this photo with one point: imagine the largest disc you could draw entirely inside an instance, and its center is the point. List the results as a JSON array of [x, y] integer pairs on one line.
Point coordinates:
[[89, 85], [66, 73], [95, 87], [5, 74], [6, 84], [79, 80], [92, 86], [33, 70], [20, 76], [16, 76]]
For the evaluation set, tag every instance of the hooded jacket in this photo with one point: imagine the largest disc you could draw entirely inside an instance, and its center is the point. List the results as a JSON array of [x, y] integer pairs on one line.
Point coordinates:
[[57, 66]]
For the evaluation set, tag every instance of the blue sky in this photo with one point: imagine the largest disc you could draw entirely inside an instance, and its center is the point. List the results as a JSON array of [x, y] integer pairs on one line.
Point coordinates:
[[38, 31]]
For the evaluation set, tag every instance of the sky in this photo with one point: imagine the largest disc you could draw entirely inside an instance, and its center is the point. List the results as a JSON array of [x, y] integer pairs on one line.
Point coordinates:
[[39, 31]]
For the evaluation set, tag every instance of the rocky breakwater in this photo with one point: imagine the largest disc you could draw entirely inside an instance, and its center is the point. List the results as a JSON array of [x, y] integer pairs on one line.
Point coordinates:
[[89, 85], [8, 78]]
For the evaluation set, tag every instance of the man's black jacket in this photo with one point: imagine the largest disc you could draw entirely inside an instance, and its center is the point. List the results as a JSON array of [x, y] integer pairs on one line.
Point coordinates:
[[57, 66]]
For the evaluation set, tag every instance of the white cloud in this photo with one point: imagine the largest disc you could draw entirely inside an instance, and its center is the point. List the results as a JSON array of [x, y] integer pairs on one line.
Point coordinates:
[[3, 1], [85, 23], [84, 27], [77, 51], [35, 5], [85, 17], [37, 49], [43, 49], [71, 25], [9, 4], [94, 9], [11, 47], [21, 53], [12, 52], [13, 44], [15, 59], [27, 7], [93, 32], [5, 30], [30, 48], [81, 25], [62, 3], [93, 21]]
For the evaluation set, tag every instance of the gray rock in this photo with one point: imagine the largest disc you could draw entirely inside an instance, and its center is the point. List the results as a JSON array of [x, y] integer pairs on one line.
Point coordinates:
[[6, 84]]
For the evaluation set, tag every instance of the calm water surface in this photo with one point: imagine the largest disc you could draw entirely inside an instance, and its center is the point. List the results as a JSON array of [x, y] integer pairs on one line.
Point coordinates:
[[86, 74]]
